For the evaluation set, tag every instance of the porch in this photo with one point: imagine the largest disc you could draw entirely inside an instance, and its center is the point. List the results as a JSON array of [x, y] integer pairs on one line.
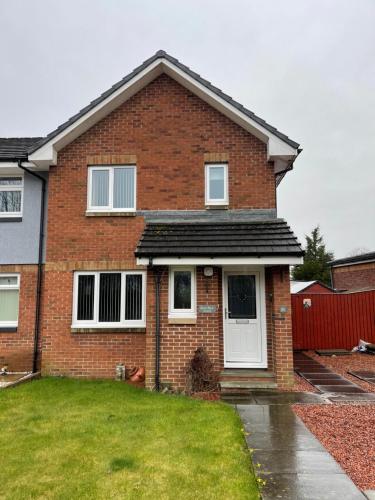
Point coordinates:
[[223, 286]]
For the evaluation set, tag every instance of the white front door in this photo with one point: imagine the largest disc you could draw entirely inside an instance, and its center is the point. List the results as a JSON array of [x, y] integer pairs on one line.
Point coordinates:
[[244, 335]]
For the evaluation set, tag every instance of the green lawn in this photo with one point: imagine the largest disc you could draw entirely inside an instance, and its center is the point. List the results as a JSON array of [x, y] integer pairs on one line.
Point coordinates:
[[70, 439]]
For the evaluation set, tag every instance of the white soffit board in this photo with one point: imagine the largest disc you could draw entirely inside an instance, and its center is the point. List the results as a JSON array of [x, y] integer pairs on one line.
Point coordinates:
[[47, 154]]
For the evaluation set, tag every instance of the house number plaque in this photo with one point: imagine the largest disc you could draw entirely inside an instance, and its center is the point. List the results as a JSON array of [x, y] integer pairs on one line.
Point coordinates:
[[207, 309]]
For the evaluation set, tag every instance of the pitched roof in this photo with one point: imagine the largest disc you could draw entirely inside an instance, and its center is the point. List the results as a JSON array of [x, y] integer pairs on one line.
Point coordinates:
[[161, 54], [365, 257], [259, 239], [16, 147], [298, 286]]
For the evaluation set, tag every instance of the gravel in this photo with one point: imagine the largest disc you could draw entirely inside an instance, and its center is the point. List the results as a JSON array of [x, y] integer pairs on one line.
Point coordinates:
[[341, 365], [348, 433]]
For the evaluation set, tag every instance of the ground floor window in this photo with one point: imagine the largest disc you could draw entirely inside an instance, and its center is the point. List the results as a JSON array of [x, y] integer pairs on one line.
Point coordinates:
[[109, 299], [9, 298], [182, 292]]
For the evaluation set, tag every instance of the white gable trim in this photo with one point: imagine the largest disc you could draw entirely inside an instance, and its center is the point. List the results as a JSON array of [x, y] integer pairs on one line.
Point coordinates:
[[47, 154]]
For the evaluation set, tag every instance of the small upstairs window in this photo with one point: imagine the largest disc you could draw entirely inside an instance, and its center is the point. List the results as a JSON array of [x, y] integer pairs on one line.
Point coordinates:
[[11, 196], [112, 188], [216, 184]]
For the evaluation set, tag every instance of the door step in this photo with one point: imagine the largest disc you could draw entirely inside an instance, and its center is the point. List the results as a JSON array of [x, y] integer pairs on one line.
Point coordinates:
[[242, 381]]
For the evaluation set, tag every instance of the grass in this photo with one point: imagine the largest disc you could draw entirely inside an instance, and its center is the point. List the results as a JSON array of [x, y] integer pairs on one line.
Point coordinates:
[[74, 439]]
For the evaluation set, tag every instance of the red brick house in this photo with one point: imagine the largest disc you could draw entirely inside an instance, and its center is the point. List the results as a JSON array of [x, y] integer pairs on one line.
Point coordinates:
[[354, 274], [163, 234]]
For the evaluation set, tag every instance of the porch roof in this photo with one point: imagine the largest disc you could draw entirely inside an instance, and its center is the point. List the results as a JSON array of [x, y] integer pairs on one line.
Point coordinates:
[[218, 239]]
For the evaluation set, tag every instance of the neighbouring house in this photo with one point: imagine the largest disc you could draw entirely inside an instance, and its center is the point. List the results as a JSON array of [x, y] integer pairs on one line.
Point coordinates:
[[20, 252], [163, 236], [354, 274], [314, 286]]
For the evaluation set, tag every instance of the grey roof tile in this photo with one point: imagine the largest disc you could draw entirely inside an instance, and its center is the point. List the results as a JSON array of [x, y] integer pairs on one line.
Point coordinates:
[[260, 238], [370, 256], [16, 147]]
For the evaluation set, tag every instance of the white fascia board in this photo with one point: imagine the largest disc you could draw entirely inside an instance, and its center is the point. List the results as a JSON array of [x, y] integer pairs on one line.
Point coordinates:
[[369, 261], [219, 261], [47, 154], [11, 167]]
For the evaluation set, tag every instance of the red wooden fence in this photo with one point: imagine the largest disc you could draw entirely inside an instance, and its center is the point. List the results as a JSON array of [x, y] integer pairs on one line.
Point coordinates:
[[334, 321]]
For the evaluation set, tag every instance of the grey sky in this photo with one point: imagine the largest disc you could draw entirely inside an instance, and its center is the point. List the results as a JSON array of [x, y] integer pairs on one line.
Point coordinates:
[[307, 67]]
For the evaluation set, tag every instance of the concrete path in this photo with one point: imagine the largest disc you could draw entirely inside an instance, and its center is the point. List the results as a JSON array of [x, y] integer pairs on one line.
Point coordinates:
[[293, 462]]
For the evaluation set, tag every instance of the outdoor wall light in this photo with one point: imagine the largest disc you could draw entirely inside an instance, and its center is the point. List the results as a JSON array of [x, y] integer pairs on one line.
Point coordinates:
[[208, 272]]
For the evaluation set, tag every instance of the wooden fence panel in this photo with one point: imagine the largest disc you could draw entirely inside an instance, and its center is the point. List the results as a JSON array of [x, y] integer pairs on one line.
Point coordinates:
[[334, 321]]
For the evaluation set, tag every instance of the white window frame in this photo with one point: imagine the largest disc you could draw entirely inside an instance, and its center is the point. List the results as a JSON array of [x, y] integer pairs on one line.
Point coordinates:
[[109, 207], [13, 188], [11, 324], [182, 313], [95, 323], [216, 201]]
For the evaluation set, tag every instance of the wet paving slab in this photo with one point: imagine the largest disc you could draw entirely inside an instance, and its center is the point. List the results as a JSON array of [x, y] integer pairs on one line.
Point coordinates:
[[292, 461], [322, 378], [367, 376]]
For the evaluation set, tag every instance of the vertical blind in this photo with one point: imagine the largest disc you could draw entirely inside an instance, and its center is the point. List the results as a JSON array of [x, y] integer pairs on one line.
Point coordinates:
[[123, 187], [100, 188], [85, 306], [109, 297], [133, 294]]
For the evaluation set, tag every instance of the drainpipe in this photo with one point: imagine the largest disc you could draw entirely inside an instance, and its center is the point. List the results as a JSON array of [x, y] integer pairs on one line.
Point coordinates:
[[157, 280], [40, 264]]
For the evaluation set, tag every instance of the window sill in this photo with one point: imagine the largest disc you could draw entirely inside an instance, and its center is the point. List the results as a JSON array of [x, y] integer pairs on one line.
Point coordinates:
[[8, 329], [222, 206], [122, 329], [90, 213], [10, 219], [182, 321]]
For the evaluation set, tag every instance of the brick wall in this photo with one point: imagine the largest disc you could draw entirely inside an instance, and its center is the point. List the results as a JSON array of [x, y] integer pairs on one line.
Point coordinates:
[[281, 327], [355, 277], [16, 348], [178, 342], [169, 133]]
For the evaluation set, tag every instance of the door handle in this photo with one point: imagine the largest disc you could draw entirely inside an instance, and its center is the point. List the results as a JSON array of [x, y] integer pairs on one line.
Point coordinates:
[[226, 313]]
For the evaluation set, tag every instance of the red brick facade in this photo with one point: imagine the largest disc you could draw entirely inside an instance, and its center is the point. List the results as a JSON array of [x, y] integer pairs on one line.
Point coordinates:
[[169, 133], [354, 277], [16, 348]]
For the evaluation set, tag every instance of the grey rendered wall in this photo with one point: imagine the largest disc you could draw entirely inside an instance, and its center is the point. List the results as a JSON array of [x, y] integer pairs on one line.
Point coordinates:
[[19, 240]]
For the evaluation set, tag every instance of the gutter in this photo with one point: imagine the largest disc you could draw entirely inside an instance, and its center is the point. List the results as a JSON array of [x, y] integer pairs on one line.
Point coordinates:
[[280, 175], [40, 264]]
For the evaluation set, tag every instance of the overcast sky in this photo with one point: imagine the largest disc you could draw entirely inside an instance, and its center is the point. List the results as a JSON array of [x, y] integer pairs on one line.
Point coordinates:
[[307, 67]]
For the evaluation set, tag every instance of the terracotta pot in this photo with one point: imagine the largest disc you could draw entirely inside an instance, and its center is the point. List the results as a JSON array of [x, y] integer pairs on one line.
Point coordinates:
[[139, 375]]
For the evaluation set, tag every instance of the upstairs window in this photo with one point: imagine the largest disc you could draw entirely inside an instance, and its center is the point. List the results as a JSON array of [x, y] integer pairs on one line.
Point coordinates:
[[216, 184], [11, 194], [9, 297], [109, 299], [112, 188]]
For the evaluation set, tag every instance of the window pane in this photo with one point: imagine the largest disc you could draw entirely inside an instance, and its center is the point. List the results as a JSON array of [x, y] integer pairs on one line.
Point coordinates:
[[8, 280], [9, 305], [10, 181], [99, 189], [10, 201], [182, 290], [123, 189], [133, 294], [216, 183], [241, 297], [109, 297], [85, 306]]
